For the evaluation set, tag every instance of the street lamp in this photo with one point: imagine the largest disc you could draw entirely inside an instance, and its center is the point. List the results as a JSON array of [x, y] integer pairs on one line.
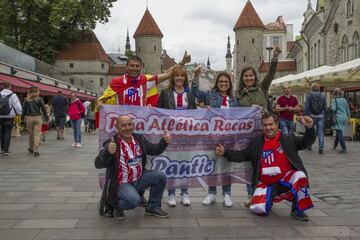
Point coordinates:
[[269, 49]]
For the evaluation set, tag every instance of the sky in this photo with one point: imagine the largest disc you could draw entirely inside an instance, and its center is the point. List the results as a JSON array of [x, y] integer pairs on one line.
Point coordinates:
[[199, 26]]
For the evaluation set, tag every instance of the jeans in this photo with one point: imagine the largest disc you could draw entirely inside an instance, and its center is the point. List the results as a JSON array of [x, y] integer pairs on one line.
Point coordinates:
[[184, 190], [129, 193], [33, 124], [225, 188], [76, 125], [339, 138], [6, 125], [319, 126], [286, 126], [249, 189]]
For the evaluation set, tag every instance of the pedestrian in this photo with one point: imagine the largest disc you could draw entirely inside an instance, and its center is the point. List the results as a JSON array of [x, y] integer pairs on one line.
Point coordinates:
[[279, 172], [252, 93], [10, 106], [340, 106], [91, 117], [86, 124], [315, 107], [60, 105], [177, 96], [33, 111], [221, 96], [76, 112], [45, 124], [287, 106], [124, 156]]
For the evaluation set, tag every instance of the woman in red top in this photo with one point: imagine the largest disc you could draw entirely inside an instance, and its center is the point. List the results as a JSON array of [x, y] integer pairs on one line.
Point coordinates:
[[76, 112]]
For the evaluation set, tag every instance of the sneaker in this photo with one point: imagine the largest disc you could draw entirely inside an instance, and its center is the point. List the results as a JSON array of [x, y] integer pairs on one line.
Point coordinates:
[[227, 201], [144, 202], [6, 153], [321, 151], [78, 145], [156, 212], [118, 214], [30, 150], [36, 154], [299, 215], [247, 203], [172, 200], [185, 200], [58, 137], [342, 151], [209, 199], [73, 145]]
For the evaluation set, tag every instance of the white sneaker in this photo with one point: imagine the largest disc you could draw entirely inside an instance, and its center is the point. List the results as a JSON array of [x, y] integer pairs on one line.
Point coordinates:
[[227, 201], [73, 145], [185, 200], [209, 199], [78, 145], [172, 200]]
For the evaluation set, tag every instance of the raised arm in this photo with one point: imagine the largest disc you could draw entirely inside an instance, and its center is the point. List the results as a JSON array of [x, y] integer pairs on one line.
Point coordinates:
[[305, 141], [266, 82], [167, 74], [195, 90], [233, 155]]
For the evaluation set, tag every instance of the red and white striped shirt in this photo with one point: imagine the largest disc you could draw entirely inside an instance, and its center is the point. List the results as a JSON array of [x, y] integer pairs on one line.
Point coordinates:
[[130, 161], [181, 100]]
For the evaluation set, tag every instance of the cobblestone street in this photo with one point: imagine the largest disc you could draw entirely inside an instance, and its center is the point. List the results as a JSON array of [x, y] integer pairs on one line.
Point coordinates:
[[55, 196]]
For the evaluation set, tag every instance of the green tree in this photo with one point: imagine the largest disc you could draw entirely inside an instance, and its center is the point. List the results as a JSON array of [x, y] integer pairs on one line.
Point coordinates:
[[40, 27]]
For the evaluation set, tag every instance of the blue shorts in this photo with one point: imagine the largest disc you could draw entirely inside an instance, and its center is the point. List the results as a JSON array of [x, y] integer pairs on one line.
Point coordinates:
[[60, 121]]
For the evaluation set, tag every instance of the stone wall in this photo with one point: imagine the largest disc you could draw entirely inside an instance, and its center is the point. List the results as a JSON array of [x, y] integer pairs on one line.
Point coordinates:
[[149, 49]]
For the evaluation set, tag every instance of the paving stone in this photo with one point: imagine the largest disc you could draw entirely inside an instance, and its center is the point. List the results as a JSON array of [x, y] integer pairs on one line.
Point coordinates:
[[6, 223], [73, 206], [18, 234], [76, 214], [139, 233], [153, 222], [26, 214], [83, 200], [326, 231], [230, 222], [15, 206], [46, 223], [53, 189], [71, 194], [67, 234], [41, 200], [336, 221]]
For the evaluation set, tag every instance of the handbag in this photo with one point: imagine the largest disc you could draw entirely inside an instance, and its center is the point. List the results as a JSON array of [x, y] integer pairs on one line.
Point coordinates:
[[333, 114]]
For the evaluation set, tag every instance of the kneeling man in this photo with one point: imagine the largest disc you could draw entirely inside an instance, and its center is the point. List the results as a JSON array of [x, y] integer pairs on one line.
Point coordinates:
[[278, 170], [124, 156]]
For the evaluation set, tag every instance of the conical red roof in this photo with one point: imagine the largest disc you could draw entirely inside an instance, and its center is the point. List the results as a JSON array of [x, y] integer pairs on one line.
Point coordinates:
[[248, 18], [147, 26]]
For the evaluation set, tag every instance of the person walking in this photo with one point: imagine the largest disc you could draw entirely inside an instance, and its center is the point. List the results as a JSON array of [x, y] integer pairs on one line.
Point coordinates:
[[177, 96], [91, 117], [60, 105], [10, 106], [221, 96], [287, 106], [34, 109], [315, 107], [76, 112], [340, 106], [252, 93]]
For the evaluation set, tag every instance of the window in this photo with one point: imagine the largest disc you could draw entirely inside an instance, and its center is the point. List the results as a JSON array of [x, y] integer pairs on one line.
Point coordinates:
[[253, 41], [143, 64], [275, 40], [349, 8], [71, 65], [154, 48], [319, 53], [345, 47], [315, 55], [139, 49], [237, 42], [356, 43], [101, 82], [311, 57], [102, 66], [244, 59], [71, 80]]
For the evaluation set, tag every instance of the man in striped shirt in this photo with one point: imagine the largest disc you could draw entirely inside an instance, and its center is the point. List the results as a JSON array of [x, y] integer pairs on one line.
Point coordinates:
[[124, 156], [278, 169]]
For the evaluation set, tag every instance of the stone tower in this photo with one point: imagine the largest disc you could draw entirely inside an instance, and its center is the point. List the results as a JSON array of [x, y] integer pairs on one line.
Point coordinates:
[[228, 57], [148, 44], [249, 31]]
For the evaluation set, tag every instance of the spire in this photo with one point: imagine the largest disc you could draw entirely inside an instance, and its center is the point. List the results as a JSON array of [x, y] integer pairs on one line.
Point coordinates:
[[127, 46], [309, 6], [228, 53], [248, 18], [147, 26], [208, 63]]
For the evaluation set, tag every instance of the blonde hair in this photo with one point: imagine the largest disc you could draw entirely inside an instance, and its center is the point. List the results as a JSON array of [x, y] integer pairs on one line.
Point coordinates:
[[315, 87], [33, 93], [178, 68]]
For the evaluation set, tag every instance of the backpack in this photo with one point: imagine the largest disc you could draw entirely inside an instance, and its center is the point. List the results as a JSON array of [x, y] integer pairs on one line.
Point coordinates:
[[316, 104], [5, 107]]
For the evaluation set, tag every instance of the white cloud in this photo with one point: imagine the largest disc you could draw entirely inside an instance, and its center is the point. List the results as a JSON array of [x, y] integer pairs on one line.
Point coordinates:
[[200, 26]]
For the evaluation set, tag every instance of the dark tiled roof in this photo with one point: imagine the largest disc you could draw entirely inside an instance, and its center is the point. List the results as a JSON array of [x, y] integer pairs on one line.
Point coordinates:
[[248, 18], [167, 61], [116, 70], [288, 65]]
